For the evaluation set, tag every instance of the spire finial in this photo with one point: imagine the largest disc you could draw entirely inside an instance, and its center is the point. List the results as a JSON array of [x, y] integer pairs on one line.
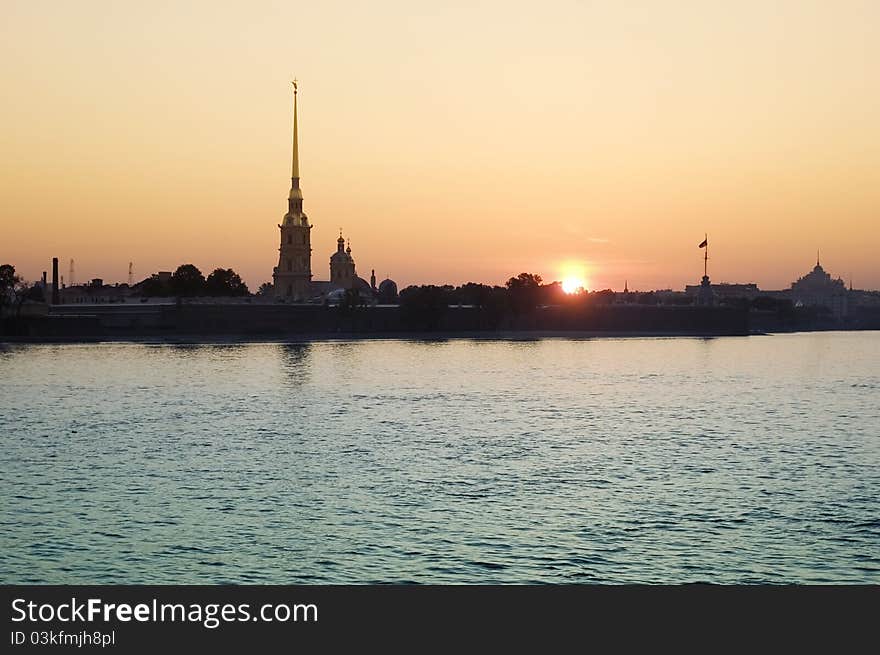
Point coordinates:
[[294, 173], [817, 256]]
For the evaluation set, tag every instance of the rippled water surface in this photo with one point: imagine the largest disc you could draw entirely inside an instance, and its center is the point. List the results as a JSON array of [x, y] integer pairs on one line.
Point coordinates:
[[608, 460]]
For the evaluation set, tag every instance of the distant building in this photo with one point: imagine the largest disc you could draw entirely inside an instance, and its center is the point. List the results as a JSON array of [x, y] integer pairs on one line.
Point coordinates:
[[666, 297], [818, 289], [95, 292], [725, 290], [861, 298]]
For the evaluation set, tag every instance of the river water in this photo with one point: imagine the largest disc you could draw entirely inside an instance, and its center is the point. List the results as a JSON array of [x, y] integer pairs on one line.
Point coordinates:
[[656, 460]]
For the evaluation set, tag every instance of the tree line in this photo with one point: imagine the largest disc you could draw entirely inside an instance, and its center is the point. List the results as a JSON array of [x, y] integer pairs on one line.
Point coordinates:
[[188, 281], [422, 307]]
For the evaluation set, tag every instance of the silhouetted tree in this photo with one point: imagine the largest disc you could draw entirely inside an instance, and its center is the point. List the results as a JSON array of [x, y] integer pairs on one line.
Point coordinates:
[[154, 287], [471, 293], [492, 301], [423, 308], [524, 281], [266, 289], [225, 282], [187, 281], [22, 290], [604, 297], [8, 278], [14, 292], [524, 292], [553, 294]]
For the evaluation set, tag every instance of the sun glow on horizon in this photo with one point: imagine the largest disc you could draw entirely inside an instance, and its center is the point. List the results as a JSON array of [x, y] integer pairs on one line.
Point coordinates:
[[774, 150], [574, 276], [573, 284]]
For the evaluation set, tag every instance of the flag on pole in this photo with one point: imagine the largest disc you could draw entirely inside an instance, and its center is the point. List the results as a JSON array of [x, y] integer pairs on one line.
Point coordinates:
[[705, 243]]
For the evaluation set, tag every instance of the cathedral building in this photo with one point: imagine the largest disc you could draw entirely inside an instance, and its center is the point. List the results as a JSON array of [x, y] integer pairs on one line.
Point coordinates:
[[293, 276], [343, 277], [342, 272]]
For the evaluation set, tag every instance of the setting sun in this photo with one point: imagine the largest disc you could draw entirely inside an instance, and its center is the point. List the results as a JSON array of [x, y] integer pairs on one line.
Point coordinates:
[[573, 274], [573, 284]]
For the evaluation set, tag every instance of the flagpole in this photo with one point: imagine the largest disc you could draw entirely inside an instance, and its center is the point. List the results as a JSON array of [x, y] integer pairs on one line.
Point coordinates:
[[706, 257]]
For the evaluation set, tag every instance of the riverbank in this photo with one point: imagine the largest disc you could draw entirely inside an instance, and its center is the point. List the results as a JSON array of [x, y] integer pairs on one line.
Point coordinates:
[[521, 335], [394, 336], [201, 322]]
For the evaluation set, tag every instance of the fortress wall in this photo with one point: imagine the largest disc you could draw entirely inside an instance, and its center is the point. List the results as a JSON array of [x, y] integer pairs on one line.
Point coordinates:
[[281, 320]]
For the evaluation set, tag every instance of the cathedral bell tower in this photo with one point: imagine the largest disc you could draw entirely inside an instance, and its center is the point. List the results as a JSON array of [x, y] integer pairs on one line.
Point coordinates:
[[293, 275]]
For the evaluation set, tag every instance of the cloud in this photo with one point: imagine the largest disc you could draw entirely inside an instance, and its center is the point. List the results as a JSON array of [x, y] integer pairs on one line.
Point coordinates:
[[599, 240]]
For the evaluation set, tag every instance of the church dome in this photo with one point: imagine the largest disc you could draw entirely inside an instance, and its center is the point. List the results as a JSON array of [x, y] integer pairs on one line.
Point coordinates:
[[387, 291], [342, 255]]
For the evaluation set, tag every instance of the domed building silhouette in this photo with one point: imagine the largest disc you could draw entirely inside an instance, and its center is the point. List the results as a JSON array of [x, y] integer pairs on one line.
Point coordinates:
[[387, 292], [818, 289], [343, 274]]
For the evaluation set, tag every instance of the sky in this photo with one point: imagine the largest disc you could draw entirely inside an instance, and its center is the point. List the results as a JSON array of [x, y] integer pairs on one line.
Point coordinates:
[[451, 141]]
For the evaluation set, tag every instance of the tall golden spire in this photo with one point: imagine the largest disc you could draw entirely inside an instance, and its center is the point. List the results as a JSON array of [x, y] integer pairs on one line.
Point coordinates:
[[295, 197], [294, 174]]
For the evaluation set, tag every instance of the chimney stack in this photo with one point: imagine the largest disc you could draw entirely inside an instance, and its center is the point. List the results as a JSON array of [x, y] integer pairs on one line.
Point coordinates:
[[55, 298]]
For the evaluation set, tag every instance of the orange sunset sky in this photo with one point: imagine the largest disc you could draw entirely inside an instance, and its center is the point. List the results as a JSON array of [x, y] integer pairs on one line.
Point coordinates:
[[452, 141]]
